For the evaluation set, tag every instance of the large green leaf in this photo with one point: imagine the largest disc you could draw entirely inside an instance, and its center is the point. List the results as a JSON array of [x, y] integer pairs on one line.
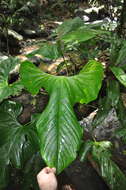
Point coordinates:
[[58, 128], [81, 34], [14, 137], [69, 25], [6, 66], [111, 173]]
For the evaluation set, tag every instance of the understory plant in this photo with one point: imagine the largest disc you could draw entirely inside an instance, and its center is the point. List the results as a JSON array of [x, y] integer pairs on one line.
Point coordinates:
[[59, 131]]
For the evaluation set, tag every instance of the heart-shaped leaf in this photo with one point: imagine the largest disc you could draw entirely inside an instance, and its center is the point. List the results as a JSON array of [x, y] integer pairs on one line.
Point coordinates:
[[6, 66], [14, 137], [59, 131]]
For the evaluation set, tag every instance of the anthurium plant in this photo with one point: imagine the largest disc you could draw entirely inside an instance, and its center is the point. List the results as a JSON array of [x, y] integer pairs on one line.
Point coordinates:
[[59, 131]]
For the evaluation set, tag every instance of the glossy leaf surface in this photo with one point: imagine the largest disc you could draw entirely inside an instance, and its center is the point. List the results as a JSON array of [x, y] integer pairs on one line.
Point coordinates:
[[58, 128], [119, 74], [14, 137], [6, 89]]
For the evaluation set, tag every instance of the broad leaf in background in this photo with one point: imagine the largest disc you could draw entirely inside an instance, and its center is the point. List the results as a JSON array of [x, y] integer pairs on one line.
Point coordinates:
[[14, 137], [115, 45], [47, 50], [68, 26], [59, 131], [71, 31], [81, 34], [111, 173], [6, 66], [119, 74], [108, 102], [113, 92], [121, 60]]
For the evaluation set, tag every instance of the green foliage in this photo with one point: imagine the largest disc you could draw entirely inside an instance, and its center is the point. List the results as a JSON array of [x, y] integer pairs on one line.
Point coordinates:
[[30, 171], [13, 15], [74, 30], [47, 50], [121, 55], [17, 143], [69, 26], [121, 112], [85, 149], [117, 51], [6, 89], [119, 74], [59, 131], [113, 92], [108, 102], [108, 169], [100, 152], [81, 34], [122, 134], [70, 35], [4, 174]]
